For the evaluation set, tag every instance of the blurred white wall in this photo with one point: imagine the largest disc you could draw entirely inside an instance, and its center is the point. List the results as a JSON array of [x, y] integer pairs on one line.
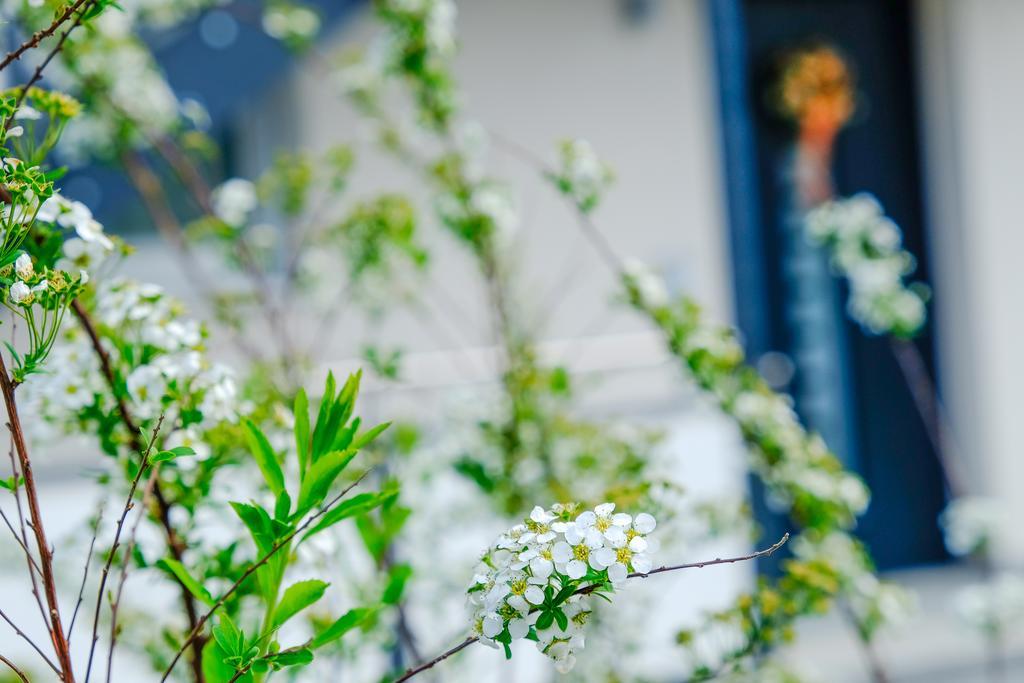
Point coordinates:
[[973, 103]]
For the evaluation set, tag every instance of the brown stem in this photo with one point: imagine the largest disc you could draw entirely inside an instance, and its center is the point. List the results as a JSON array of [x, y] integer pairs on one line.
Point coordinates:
[[252, 569], [586, 590], [175, 544], [39, 35], [437, 660], [60, 642], [128, 505], [18, 672], [33, 570], [38, 73]]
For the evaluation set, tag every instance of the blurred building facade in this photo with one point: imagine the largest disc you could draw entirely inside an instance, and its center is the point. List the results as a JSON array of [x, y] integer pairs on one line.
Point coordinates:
[[672, 93]]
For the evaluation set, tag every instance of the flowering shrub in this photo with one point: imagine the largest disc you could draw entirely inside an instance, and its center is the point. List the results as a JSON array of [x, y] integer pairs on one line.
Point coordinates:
[[248, 489], [866, 248]]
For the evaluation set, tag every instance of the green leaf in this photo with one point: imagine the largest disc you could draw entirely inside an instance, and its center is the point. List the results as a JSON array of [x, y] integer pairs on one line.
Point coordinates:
[[177, 569], [326, 404], [171, 454], [283, 506], [11, 483], [260, 526], [302, 442], [350, 507], [348, 621], [400, 573], [215, 668], [285, 658], [545, 620], [475, 471], [369, 435], [563, 621], [265, 457], [227, 635], [296, 598], [319, 478]]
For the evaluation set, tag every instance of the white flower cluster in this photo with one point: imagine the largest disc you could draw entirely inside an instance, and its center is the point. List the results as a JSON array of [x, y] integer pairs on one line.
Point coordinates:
[[993, 608], [805, 466], [535, 580], [438, 20], [650, 286], [866, 248], [139, 90], [872, 601], [583, 176], [159, 351], [290, 22], [969, 524], [364, 78], [75, 215], [800, 464], [233, 201]]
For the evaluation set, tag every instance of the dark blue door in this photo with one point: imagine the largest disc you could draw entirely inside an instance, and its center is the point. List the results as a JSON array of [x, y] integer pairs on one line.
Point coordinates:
[[847, 386]]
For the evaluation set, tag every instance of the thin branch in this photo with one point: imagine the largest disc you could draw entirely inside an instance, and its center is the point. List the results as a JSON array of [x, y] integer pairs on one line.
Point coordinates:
[[128, 505], [85, 572], [40, 35], [437, 660], [175, 543], [256, 565], [18, 672], [586, 590], [767, 552], [38, 73], [56, 630], [125, 564], [23, 541], [31, 642], [932, 412]]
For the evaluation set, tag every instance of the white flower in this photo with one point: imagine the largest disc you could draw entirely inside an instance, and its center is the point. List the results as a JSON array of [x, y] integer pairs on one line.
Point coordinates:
[[234, 200], [27, 113], [970, 523], [650, 286], [20, 292], [91, 231], [15, 131], [23, 267]]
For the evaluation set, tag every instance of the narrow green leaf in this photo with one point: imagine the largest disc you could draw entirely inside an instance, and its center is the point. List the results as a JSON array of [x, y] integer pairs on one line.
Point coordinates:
[[171, 454], [348, 621], [369, 435], [187, 580], [350, 507], [326, 403], [285, 658], [265, 457], [258, 522], [302, 442], [282, 506], [319, 478], [296, 598], [400, 573], [545, 620]]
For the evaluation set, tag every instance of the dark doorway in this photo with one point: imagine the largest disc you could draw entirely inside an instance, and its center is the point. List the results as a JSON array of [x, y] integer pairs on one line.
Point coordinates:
[[847, 385]]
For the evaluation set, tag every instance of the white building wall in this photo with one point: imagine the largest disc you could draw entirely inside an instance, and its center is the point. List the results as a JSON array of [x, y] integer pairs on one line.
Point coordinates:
[[973, 100]]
